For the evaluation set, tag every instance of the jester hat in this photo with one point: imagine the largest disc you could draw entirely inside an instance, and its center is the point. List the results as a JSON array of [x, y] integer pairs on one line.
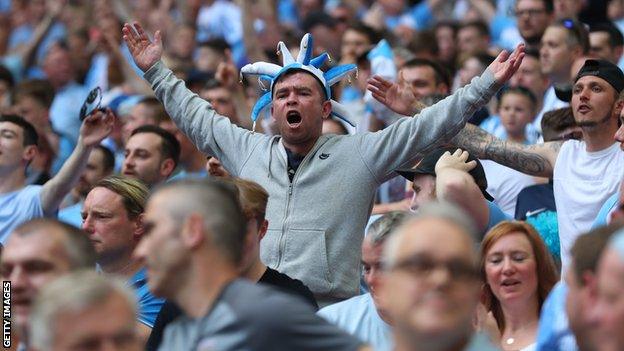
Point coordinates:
[[270, 73]]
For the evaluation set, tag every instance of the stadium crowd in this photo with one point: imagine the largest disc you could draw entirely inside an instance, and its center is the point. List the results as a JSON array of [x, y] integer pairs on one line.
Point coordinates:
[[400, 175]]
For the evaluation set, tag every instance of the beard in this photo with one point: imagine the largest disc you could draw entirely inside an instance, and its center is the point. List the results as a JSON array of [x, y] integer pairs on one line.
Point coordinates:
[[593, 124]]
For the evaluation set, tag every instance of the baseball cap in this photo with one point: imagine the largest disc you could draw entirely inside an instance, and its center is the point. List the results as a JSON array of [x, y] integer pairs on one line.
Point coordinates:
[[427, 166], [604, 69]]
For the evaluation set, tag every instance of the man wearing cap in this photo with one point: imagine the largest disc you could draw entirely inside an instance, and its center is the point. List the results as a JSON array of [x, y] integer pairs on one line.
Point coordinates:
[[457, 178], [308, 175], [585, 172]]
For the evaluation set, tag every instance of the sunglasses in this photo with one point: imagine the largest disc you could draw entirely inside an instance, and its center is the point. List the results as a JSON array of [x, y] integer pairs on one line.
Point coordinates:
[[92, 103]]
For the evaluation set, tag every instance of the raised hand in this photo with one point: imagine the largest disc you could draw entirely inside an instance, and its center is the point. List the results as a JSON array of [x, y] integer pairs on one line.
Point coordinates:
[[398, 98], [97, 126], [456, 161], [506, 65], [144, 52]]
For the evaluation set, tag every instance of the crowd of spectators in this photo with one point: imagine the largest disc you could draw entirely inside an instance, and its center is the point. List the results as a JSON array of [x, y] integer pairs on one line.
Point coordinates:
[[197, 174]]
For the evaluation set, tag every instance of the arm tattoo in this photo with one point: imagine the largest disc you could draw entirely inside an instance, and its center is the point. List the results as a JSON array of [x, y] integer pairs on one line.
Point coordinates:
[[525, 159]]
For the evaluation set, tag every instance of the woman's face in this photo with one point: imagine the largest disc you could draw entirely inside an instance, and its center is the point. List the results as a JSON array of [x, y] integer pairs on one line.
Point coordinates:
[[510, 268]]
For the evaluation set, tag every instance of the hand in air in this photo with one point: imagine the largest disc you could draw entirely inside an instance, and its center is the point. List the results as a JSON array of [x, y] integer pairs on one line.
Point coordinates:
[[144, 51], [505, 64], [397, 97], [457, 160]]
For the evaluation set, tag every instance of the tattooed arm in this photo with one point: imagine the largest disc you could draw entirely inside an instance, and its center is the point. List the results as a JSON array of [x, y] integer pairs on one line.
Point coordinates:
[[537, 160]]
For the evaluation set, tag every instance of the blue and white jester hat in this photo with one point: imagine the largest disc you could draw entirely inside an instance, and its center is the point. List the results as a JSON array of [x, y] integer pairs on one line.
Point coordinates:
[[270, 72]]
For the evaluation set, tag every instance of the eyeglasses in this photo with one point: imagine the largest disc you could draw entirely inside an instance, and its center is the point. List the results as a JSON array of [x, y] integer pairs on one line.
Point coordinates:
[[422, 266], [90, 105], [529, 12]]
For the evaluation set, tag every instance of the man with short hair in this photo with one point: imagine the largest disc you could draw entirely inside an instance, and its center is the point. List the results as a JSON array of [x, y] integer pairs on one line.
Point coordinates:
[[195, 233], [563, 42], [533, 17], [610, 303], [364, 316], [148, 111], [151, 155], [432, 285], [221, 99], [606, 42], [38, 252], [112, 217], [585, 172], [101, 163], [425, 77], [473, 37], [18, 146], [85, 311], [303, 170]]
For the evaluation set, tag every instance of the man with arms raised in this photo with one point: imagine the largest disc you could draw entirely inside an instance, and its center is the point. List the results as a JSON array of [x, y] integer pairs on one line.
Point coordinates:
[[18, 146], [302, 170], [585, 173]]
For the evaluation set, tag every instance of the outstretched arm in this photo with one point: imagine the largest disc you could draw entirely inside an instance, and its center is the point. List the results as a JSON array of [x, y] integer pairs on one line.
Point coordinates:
[[537, 160], [95, 128]]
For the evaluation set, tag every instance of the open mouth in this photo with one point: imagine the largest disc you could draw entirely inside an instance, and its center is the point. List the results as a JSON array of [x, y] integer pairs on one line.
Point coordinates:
[[293, 118], [584, 108]]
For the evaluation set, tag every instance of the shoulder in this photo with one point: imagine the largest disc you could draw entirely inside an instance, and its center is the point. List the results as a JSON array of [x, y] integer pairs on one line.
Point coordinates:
[[347, 308]]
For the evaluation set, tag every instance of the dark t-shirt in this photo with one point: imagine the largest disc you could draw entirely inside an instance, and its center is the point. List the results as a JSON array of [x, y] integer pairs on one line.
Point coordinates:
[[170, 311]]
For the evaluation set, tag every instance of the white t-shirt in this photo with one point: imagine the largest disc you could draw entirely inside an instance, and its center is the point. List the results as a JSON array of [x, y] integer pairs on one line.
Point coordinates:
[[504, 184], [583, 181]]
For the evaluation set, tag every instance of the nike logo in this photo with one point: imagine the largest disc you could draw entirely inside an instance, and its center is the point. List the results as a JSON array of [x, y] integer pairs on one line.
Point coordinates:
[[533, 213], [323, 156]]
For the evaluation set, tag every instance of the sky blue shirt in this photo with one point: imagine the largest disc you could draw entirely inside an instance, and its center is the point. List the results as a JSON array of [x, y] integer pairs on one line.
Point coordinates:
[[71, 215], [553, 332], [18, 207], [358, 317], [149, 305], [605, 211]]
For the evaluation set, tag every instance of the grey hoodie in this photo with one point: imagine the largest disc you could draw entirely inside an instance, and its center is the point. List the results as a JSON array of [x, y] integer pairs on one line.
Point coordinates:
[[316, 223]]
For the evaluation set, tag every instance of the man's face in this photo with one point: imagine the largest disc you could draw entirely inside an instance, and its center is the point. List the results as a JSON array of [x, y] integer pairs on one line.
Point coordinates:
[[580, 301], [422, 81], [107, 326], [30, 262], [13, 154], [529, 75], [354, 44], [372, 268], [221, 101], [610, 306], [105, 219], [424, 190], [445, 36], [138, 117], [58, 67], [144, 160], [593, 102], [599, 46], [555, 57], [299, 107], [532, 19], [93, 172], [432, 289], [567, 8], [32, 111], [470, 41], [471, 68], [162, 249]]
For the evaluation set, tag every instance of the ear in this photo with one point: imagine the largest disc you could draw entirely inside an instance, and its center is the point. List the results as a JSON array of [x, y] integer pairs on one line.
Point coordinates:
[[167, 167], [263, 229], [326, 109], [193, 231], [29, 153], [139, 227]]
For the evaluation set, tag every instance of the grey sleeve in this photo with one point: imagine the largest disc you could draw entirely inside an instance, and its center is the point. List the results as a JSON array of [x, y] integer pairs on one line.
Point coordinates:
[[211, 133], [408, 139], [294, 326]]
